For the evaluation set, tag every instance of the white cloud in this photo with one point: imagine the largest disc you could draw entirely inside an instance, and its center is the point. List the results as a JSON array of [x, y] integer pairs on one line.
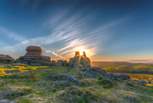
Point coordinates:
[[69, 32]]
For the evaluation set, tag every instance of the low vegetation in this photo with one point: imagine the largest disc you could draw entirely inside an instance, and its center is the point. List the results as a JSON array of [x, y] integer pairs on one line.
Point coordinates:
[[63, 85], [125, 67]]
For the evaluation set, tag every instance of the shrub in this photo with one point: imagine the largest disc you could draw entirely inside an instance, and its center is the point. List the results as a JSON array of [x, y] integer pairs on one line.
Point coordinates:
[[75, 95], [12, 94], [105, 82], [24, 100]]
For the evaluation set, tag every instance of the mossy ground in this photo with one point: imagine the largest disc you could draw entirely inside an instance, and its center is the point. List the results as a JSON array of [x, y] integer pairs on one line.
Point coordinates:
[[36, 87]]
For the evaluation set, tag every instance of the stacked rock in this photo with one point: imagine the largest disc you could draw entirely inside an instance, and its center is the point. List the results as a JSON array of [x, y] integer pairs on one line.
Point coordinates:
[[80, 61], [33, 52], [6, 59], [34, 57], [85, 61]]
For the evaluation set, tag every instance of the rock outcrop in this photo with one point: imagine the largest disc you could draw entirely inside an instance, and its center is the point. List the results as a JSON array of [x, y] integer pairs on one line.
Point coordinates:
[[85, 61], [6, 59], [80, 61], [34, 57]]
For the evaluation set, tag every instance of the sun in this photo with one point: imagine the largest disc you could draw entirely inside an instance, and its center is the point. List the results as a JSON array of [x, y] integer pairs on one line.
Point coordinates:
[[89, 51]]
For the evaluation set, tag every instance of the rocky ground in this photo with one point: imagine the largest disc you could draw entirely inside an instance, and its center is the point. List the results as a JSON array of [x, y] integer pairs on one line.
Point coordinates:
[[66, 85]]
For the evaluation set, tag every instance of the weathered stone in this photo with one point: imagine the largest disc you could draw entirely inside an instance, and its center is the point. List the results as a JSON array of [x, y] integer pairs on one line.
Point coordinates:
[[6, 59], [117, 76], [33, 51], [142, 82], [34, 57], [79, 61], [75, 61], [85, 61], [93, 72]]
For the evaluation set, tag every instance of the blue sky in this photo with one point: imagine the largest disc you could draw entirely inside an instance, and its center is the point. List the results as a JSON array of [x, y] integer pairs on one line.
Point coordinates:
[[112, 29]]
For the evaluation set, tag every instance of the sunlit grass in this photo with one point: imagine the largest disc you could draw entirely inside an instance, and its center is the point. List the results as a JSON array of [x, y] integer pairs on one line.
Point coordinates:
[[41, 90]]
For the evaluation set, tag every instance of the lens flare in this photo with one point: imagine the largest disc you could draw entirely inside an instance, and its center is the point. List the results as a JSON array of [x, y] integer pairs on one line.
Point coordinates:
[[89, 51]]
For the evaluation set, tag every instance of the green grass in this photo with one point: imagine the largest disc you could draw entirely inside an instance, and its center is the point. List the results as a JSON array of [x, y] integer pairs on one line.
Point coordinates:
[[125, 67], [97, 90], [24, 100]]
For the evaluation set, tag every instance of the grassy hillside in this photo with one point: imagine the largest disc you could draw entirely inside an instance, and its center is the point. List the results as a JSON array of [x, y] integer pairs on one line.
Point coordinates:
[[125, 67], [65, 85]]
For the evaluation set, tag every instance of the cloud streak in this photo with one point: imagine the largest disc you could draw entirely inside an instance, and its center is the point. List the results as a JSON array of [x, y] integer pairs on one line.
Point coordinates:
[[67, 31], [11, 34]]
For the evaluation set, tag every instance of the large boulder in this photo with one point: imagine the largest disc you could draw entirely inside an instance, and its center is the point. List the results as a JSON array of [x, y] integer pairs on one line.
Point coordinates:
[[85, 61], [80, 61], [6, 59], [34, 56], [94, 72], [117, 76], [75, 61], [33, 51]]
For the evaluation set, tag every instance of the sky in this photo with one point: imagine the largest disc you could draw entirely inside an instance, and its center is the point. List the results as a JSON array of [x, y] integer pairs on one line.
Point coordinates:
[[105, 29]]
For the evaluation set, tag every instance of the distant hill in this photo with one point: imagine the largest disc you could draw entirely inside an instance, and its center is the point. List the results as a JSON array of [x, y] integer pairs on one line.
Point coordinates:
[[125, 67]]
